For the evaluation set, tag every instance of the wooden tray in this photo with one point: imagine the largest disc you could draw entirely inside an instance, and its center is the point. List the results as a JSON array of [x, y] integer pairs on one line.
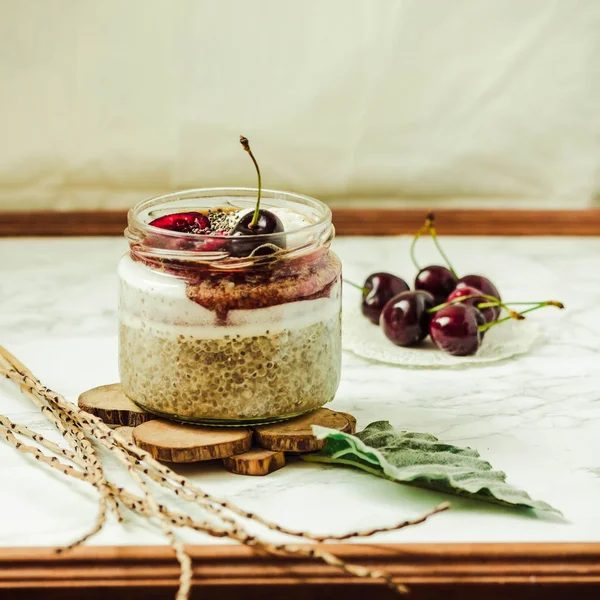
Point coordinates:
[[450, 571], [458, 571], [348, 221]]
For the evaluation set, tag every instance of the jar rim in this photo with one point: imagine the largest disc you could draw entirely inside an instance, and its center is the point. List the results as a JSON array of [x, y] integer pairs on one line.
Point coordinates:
[[134, 222], [317, 233]]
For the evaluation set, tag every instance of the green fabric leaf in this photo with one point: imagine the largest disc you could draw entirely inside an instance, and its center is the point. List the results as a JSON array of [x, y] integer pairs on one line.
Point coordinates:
[[421, 459]]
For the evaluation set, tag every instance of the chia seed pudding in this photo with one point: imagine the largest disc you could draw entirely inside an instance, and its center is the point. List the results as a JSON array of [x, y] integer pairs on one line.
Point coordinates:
[[210, 337]]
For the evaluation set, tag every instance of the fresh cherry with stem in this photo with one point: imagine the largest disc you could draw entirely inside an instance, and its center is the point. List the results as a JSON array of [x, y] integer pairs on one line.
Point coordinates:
[[459, 329], [474, 297], [475, 281], [439, 281], [377, 289], [456, 329], [405, 318], [258, 222]]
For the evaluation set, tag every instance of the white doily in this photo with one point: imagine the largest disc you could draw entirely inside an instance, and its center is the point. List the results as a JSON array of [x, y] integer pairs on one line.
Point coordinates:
[[503, 341]]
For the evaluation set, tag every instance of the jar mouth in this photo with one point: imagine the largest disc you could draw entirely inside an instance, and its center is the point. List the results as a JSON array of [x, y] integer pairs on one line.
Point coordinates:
[[236, 198], [307, 224]]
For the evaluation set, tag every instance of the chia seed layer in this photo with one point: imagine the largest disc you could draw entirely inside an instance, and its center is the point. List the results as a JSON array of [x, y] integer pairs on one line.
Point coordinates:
[[256, 378]]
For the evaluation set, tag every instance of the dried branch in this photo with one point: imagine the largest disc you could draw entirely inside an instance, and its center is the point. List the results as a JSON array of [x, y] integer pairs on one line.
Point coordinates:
[[82, 430]]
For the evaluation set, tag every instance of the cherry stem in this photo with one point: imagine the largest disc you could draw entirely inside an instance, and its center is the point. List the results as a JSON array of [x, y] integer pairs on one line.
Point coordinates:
[[413, 245], [246, 145], [549, 303], [429, 224], [540, 305], [355, 285], [491, 301]]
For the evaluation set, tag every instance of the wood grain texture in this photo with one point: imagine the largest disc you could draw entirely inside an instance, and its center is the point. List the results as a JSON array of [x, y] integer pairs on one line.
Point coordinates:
[[178, 443], [109, 403], [255, 462], [455, 568], [469, 222], [348, 221], [296, 435], [351, 421]]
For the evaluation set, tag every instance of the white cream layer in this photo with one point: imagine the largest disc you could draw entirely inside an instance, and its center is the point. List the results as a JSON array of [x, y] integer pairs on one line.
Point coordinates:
[[291, 220], [158, 302]]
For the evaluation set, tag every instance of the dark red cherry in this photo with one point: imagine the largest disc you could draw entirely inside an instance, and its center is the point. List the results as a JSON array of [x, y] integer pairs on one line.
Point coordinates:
[[490, 313], [377, 290], [405, 320], [438, 281], [455, 329], [481, 283], [185, 222], [256, 223], [246, 241]]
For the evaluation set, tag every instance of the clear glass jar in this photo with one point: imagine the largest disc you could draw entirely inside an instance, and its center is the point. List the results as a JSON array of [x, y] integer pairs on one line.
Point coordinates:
[[210, 337]]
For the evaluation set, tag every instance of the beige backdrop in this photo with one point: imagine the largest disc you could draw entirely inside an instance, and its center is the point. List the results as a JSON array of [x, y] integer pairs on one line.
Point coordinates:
[[474, 101]]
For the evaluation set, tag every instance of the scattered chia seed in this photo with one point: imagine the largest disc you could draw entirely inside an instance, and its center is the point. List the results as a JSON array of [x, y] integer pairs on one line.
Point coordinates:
[[222, 222]]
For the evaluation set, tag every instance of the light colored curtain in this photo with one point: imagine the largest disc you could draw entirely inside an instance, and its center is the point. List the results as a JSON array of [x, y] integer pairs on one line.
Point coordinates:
[[487, 102]]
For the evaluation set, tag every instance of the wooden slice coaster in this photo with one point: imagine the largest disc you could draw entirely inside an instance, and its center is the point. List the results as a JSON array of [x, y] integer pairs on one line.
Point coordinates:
[[173, 442], [296, 435], [257, 461], [109, 403], [351, 421], [126, 432]]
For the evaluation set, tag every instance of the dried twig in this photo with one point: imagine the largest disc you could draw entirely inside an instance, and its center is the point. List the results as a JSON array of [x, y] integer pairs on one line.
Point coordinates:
[[81, 430], [145, 508]]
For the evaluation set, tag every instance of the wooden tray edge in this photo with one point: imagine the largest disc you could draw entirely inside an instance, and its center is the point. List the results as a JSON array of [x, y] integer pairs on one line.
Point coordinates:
[[227, 565], [348, 221]]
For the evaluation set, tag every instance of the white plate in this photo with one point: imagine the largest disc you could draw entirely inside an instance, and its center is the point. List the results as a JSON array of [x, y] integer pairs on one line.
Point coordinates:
[[503, 341]]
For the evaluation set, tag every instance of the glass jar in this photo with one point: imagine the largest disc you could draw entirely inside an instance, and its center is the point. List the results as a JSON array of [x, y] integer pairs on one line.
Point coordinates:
[[214, 332]]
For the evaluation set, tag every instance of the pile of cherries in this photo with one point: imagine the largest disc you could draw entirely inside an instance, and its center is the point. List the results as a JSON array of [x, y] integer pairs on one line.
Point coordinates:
[[455, 312]]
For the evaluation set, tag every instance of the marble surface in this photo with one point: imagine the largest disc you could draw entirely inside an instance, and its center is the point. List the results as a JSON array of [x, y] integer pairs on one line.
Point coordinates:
[[537, 416]]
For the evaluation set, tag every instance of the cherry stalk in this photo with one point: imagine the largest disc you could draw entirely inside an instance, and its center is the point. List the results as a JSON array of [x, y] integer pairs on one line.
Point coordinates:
[[491, 301], [429, 223], [555, 303], [429, 228], [354, 285], [246, 145]]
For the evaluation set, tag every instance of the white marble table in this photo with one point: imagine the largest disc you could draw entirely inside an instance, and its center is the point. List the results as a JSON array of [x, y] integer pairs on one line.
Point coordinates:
[[537, 417]]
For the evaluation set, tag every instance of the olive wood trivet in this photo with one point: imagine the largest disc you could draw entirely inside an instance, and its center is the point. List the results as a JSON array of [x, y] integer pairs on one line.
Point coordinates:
[[296, 435], [257, 461], [178, 443], [109, 403]]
